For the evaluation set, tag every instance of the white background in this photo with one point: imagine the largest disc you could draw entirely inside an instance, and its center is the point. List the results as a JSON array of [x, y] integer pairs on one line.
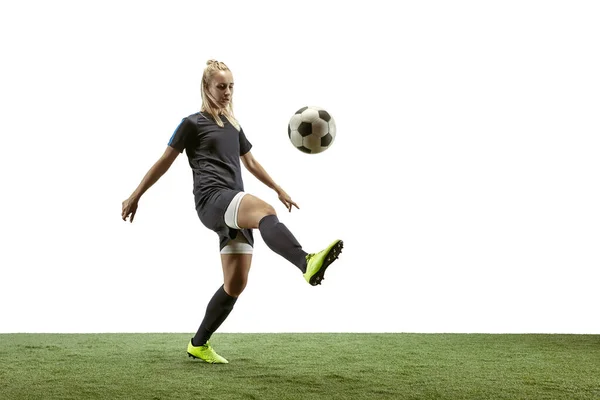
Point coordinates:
[[464, 178]]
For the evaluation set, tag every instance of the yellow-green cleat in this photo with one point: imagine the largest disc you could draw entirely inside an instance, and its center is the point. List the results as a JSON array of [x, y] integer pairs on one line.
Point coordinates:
[[205, 353], [317, 263]]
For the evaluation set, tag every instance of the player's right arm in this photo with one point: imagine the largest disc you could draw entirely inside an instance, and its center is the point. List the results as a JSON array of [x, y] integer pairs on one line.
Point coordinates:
[[152, 176]]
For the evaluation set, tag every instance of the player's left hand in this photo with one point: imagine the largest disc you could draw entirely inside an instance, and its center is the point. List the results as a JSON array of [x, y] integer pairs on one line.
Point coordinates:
[[287, 200]]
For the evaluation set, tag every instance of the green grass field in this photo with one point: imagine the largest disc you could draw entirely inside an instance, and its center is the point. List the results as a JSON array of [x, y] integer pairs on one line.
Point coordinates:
[[301, 366]]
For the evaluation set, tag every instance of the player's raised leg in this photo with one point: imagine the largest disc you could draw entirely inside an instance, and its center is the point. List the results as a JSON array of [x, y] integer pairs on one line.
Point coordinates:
[[255, 213]]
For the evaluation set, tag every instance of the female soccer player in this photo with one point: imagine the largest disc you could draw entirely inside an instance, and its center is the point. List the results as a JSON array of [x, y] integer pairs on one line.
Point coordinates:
[[214, 143]]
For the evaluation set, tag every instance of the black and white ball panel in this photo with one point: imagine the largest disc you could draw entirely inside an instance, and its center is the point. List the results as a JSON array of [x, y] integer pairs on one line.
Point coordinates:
[[311, 130]]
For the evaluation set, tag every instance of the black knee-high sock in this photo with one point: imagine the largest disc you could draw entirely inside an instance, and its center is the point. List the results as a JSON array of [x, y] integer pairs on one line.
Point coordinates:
[[217, 311], [279, 239]]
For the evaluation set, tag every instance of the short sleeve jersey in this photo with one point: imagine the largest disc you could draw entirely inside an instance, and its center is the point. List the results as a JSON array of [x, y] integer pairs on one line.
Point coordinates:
[[213, 153]]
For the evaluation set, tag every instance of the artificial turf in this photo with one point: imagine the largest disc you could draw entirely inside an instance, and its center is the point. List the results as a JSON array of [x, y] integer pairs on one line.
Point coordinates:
[[301, 366]]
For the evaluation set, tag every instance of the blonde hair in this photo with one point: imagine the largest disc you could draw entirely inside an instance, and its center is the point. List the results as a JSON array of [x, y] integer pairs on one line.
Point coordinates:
[[209, 104]]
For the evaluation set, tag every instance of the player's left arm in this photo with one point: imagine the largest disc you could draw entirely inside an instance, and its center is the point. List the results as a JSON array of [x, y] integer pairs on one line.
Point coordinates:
[[254, 167]]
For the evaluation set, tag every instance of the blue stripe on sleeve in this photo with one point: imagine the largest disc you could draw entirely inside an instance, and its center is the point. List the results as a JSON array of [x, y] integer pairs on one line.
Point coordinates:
[[173, 135]]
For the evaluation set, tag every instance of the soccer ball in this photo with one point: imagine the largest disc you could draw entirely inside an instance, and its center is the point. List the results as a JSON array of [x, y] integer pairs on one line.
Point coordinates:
[[311, 130]]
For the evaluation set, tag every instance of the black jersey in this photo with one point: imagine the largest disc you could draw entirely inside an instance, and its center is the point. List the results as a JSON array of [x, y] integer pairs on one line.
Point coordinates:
[[213, 153], [214, 156]]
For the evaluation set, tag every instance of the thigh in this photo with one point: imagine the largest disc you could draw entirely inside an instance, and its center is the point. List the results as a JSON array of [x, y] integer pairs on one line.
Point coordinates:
[[235, 272], [252, 210]]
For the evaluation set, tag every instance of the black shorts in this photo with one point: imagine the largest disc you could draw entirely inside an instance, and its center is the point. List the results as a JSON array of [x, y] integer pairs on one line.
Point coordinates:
[[211, 210]]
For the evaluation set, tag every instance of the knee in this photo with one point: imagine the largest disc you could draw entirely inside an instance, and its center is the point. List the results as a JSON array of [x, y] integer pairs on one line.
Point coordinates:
[[269, 210], [235, 288], [265, 210]]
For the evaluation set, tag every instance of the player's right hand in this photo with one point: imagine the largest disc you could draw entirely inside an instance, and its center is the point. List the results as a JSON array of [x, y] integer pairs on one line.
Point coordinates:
[[129, 208]]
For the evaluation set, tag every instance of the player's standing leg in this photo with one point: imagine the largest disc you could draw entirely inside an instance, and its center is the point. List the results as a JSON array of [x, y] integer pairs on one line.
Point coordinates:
[[235, 276]]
